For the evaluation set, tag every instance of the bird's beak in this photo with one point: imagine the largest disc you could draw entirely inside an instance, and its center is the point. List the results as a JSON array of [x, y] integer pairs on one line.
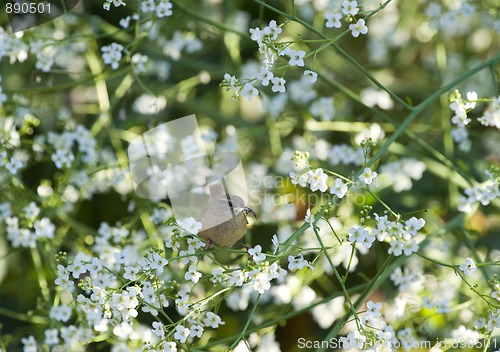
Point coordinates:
[[248, 210]]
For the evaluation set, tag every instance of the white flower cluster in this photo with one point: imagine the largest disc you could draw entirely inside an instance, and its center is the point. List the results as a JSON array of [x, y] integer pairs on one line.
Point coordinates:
[[401, 173], [401, 235], [181, 41], [348, 11], [161, 8], [112, 54], [16, 161], [491, 115], [318, 180], [13, 47], [376, 334], [405, 278], [271, 49], [117, 281], [453, 19], [63, 145], [45, 54], [461, 107], [483, 193], [36, 229], [346, 155]]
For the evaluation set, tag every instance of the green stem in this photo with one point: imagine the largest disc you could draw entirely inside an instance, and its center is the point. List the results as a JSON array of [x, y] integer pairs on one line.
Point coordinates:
[[198, 15], [336, 273], [359, 301], [42, 280], [245, 328], [23, 317]]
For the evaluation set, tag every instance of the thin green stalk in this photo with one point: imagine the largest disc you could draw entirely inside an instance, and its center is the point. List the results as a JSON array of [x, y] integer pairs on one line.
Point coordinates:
[[23, 317], [245, 328], [42, 280], [198, 15], [336, 273], [359, 301]]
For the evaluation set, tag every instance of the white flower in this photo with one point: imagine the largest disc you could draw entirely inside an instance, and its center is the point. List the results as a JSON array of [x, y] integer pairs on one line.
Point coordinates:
[[212, 320], [125, 22], [158, 329], [309, 218], [237, 278], [298, 262], [169, 346], [217, 275], [190, 225], [196, 331], [130, 273], [413, 225], [373, 309], [192, 275], [323, 108], [358, 28], [257, 254], [256, 34], [181, 333], [333, 20], [60, 313], [112, 54], [396, 247], [468, 267], [311, 76], [301, 179], [249, 91], [410, 247], [358, 234], [275, 243], [278, 85], [158, 263], [339, 188], [44, 228], [29, 344], [265, 76], [350, 8], [367, 176], [296, 57], [272, 30], [51, 337], [471, 97], [232, 81], [491, 115], [164, 9], [317, 180]]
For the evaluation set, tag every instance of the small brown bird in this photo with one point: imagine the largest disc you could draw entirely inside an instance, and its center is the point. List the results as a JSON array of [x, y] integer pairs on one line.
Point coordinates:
[[224, 218]]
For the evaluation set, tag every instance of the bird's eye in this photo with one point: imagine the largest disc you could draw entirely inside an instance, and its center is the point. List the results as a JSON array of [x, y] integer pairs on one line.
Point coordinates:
[[231, 204]]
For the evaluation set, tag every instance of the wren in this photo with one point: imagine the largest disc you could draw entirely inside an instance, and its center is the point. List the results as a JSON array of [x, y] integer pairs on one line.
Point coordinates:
[[213, 217]]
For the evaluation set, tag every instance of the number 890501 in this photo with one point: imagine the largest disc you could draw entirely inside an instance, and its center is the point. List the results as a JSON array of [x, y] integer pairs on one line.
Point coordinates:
[[27, 7]]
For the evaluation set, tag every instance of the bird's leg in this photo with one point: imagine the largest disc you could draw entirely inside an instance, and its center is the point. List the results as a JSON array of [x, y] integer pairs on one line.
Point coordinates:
[[208, 245], [244, 245]]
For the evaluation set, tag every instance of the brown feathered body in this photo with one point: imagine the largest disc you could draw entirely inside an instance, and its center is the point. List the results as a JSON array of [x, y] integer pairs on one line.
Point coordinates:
[[223, 218]]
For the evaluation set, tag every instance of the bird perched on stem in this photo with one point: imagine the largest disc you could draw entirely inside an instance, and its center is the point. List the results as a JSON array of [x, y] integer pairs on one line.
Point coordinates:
[[224, 218]]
